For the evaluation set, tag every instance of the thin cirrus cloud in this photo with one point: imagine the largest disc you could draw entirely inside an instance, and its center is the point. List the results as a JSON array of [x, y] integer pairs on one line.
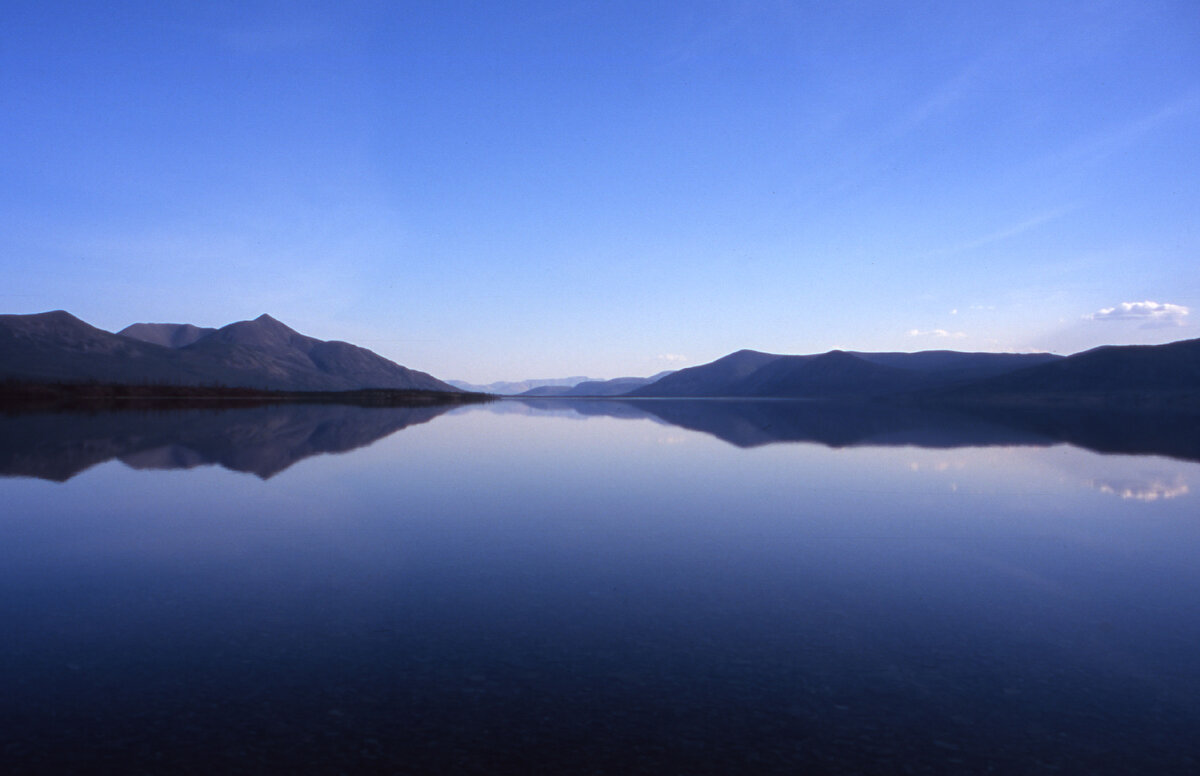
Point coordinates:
[[1150, 314], [941, 333], [673, 357]]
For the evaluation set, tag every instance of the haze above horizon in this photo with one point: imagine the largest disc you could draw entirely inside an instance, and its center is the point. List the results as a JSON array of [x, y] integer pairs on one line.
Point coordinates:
[[541, 189]]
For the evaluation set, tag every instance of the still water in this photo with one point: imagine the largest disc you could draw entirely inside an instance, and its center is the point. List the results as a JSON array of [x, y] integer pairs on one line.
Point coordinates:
[[603, 587]]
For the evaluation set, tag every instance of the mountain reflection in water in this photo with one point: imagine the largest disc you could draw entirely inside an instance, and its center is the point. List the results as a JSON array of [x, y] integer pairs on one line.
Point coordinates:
[[267, 440], [751, 423], [260, 440]]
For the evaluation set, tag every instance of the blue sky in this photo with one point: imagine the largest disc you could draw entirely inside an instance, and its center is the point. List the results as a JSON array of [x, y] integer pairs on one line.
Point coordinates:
[[510, 190]]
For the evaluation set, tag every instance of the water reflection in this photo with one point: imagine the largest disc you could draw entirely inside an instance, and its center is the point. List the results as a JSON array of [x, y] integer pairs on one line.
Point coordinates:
[[494, 593], [261, 440], [267, 440], [755, 423]]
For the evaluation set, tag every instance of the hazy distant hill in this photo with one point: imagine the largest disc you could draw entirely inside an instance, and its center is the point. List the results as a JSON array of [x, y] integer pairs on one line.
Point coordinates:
[[616, 387], [514, 387], [262, 353]]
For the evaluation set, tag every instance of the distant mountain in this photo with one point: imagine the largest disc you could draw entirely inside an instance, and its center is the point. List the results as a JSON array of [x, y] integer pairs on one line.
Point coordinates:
[[836, 374], [513, 388], [263, 353], [615, 387], [171, 335]]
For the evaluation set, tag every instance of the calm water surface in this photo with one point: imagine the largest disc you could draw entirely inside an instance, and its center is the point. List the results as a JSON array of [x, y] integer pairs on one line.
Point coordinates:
[[593, 588]]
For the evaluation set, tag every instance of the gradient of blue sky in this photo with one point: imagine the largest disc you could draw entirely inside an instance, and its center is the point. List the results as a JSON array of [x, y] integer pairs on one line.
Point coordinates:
[[509, 190]]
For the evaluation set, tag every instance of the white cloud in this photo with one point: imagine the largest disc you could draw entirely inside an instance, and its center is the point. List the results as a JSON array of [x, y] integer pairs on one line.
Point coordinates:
[[942, 333], [672, 357], [1149, 313]]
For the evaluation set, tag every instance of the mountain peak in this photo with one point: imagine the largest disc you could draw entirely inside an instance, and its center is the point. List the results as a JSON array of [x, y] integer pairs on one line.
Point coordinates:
[[266, 322], [56, 316], [52, 321]]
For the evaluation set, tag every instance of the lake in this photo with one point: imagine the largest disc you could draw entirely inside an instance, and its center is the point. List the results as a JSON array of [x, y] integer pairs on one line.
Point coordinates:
[[558, 587]]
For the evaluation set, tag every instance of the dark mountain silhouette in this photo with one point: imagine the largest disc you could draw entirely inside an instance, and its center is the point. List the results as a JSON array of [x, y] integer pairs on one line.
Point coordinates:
[[956, 366], [836, 374], [262, 440], [1132, 374], [266, 346], [57, 346], [718, 378], [263, 353]]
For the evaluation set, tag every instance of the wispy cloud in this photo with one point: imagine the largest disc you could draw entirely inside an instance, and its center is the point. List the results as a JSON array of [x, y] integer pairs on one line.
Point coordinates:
[[672, 357], [940, 333], [1151, 314], [1114, 139], [936, 102], [1007, 232]]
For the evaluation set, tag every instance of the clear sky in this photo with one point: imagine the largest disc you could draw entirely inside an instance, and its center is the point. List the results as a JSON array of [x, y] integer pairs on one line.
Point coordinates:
[[506, 190]]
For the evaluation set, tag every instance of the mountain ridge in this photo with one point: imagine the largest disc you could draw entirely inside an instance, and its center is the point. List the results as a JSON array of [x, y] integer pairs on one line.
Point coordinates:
[[1158, 375], [840, 373], [263, 353]]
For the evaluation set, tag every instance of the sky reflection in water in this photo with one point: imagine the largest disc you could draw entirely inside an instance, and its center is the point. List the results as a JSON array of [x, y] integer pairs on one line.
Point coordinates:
[[505, 587]]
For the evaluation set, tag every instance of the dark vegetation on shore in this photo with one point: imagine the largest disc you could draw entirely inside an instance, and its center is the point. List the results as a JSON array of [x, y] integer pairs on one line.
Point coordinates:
[[23, 396]]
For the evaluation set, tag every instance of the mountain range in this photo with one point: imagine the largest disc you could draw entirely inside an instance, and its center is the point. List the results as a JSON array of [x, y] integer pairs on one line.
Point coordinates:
[[516, 387], [262, 353], [1129, 375], [841, 374], [266, 354]]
